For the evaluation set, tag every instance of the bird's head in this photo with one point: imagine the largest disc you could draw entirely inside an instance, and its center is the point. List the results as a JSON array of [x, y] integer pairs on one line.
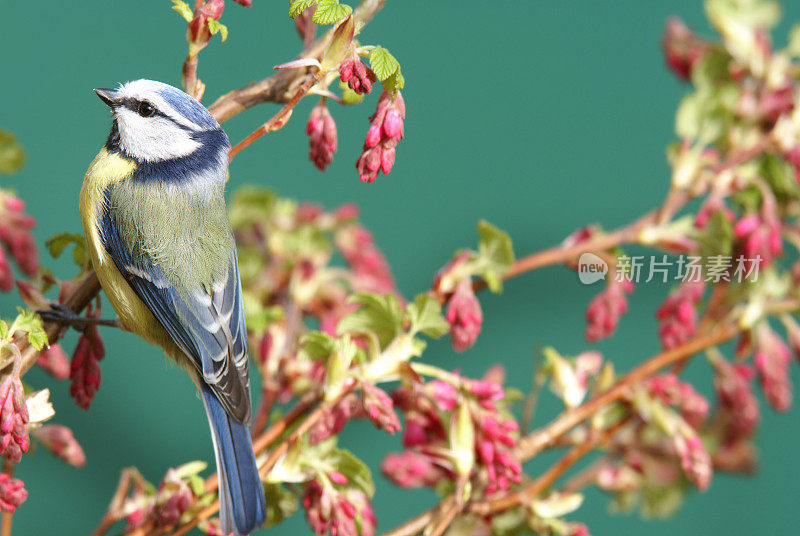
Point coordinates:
[[154, 122]]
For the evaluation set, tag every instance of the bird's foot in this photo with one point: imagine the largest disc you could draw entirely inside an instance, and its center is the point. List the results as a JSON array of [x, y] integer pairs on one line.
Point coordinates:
[[64, 316]]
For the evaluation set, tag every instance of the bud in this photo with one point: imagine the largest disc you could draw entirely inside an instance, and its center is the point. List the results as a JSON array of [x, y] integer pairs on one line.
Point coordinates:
[[464, 316], [84, 368], [322, 138], [379, 408], [385, 132], [55, 362], [677, 315], [357, 75], [62, 443], [12, 493], [197, 34], [682, 48], [695, 461], [605, 310], [14, 438], [410, 469], [462, 440]]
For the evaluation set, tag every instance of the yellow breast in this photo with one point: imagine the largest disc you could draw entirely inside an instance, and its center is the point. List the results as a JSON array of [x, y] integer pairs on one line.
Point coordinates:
[[107, 169]]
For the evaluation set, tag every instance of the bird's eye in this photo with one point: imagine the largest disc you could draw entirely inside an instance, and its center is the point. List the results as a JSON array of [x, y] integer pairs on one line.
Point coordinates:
[[145, 109]]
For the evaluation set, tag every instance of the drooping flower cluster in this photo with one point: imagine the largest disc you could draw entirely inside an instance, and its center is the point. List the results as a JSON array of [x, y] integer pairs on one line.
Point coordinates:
[[677, 316], [61, 442], [85, 367], [385, 131], [55, 361], [322, 141], [464, 316], [605, 310], [16, 235], [772, 357], [14, 438]]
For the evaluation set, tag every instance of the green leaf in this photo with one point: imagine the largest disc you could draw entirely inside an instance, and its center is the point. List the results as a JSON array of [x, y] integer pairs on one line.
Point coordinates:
[[495, 253], [215, 26], [12, 157], [380, 315], [281, 504], [257, 316], [250, 204], [316, 345], [296, 7], [716, 237], [197, 484], [56, 244], [31, 323], [183, 9], [3, 329], [383, 63], [781, 177], [354, 469], [386, 69], [330, 11], [425, 315]]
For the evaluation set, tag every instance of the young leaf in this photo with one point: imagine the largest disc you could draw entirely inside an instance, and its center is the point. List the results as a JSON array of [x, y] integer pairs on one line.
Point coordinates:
[[495, 253], [329, 11], [281, 504], [3, 329], [383, 63], [183, 9], [794, 41], [316, 345], [425, 315], [380, 315], [215, 26], [56, 244], [354, 469], [340, 44], [31, 323], [12, 157], [296, 7]]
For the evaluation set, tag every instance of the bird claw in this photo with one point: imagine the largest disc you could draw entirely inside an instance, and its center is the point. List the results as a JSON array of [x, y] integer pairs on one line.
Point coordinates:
[[64, 316]]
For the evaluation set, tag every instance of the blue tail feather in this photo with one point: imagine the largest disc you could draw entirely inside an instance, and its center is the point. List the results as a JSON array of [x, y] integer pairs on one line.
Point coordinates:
[[242, 506]]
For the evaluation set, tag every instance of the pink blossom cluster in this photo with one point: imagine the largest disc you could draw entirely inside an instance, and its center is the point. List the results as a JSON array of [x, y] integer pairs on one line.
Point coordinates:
[[425, 437], [677, 316], [85, 368], [453, 285], [338, 513], [759, 238], [369, 265], [385, 132], [12, 493], [14, 439], [771, 357], [681, 395], [357, 75], [738, 409], [682, 48], [322, 139], [61, 442], [373, 404], [16, 235], [605, 310]]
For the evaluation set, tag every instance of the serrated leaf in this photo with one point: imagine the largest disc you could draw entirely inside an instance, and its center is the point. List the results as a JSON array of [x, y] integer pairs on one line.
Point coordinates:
[[296, 7], [383, 63], [495, 253], [425, 315], [380, 315], [394, 83], [183, 10], [354, 469], [31, 324], [12, 157], [281, 504], [330, 11], [215, 26], [316, 345]]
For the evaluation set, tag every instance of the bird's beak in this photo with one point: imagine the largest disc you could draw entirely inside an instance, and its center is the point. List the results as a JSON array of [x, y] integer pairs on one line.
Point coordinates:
[[109, 96]]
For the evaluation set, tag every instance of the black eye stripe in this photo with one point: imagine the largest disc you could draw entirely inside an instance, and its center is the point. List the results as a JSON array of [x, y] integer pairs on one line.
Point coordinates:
[[134, 105]]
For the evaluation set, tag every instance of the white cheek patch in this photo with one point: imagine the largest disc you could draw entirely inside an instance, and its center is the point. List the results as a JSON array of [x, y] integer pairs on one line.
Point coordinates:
[[152, 139]]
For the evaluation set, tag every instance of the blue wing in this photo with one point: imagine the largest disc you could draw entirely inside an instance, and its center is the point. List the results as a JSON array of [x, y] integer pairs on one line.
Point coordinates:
[[206, 322]]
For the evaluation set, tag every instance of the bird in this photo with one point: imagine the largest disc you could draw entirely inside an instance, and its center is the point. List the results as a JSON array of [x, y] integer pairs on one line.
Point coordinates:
[[153, 212]]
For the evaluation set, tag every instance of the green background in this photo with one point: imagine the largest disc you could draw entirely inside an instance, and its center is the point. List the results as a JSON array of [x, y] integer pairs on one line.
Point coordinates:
[[538, 116]]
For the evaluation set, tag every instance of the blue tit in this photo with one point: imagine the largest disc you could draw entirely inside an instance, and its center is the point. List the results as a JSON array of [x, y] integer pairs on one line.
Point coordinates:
[[153, 211]]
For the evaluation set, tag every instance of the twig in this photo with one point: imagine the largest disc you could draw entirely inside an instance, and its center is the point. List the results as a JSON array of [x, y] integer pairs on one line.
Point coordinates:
[[8, 517]]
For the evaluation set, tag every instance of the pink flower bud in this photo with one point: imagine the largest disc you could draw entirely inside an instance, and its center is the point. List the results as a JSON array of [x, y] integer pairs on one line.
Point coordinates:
[[55, 361], [605, 310], [6, 275], [322, 141], [677, 315], [410, 469], [61, 442], [12, 493], [14, 438], [84, 368], [392, 124], [464, 316], [682, 49], [338, 478], [695, 461], [385, 131], [379, 408]]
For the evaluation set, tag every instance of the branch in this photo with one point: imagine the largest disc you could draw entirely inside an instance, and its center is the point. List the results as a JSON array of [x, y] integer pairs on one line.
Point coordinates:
[[532, 444], [282, 86]]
